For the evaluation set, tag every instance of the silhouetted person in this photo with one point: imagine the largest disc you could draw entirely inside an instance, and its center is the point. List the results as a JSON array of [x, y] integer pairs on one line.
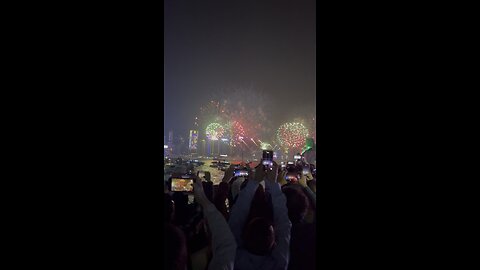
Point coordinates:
[[261, 244], [175, 248], [223, 241], [302, 241]]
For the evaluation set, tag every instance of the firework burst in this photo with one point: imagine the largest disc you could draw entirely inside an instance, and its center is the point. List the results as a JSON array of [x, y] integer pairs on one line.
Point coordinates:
[[236, 133], [211, 112], [246, 106], [214, 131], [292, 135], [265, 146]]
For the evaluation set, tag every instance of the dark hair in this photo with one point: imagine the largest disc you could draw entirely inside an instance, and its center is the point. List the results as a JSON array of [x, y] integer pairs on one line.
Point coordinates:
[[175, 248], [297, 168], [297, 204], [259, 236]]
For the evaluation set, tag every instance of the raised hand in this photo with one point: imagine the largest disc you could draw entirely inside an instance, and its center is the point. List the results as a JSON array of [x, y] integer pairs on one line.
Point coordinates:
[[303, 181], [198, 191], [228, 173], [273, 172], [259, 173], [281, 178]]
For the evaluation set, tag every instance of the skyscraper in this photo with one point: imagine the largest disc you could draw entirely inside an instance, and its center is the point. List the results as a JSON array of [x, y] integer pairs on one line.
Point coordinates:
[[192, 145], [170, 141]]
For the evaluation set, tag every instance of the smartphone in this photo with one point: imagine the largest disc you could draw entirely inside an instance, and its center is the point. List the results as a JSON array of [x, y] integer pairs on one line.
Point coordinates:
[[182, 184], [240, 172], [297, 157], [267, 155], [267, 158], [305, 171], [291, 177], [290, 163], [267, 163]]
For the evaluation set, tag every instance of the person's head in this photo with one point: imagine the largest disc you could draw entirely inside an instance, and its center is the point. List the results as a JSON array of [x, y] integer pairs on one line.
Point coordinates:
[[295, 168], [175, 248], [259, 236], [292, 178], [297, 204]]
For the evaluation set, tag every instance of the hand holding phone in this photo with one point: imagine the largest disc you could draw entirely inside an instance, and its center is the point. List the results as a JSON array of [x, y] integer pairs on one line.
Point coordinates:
[[281, 178], [303, 180], [272, 174], [267, 163], [267, 159], [259, 173], [267, 155]]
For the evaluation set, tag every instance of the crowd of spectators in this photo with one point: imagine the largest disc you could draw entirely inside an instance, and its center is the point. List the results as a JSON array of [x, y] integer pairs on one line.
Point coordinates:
[[263, 220]]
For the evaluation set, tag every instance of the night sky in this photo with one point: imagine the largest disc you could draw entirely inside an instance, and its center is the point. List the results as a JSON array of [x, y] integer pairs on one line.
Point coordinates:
[[209, 45]]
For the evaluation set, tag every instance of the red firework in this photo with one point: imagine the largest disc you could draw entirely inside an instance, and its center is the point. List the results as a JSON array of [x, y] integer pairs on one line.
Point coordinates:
[[237, 133]]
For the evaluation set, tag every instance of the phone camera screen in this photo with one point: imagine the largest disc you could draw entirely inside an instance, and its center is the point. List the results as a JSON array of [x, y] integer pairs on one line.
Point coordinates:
[[182, 184]]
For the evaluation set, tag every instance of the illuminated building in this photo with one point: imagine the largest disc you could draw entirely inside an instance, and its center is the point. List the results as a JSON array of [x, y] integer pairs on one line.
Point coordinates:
[[193, 141]]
